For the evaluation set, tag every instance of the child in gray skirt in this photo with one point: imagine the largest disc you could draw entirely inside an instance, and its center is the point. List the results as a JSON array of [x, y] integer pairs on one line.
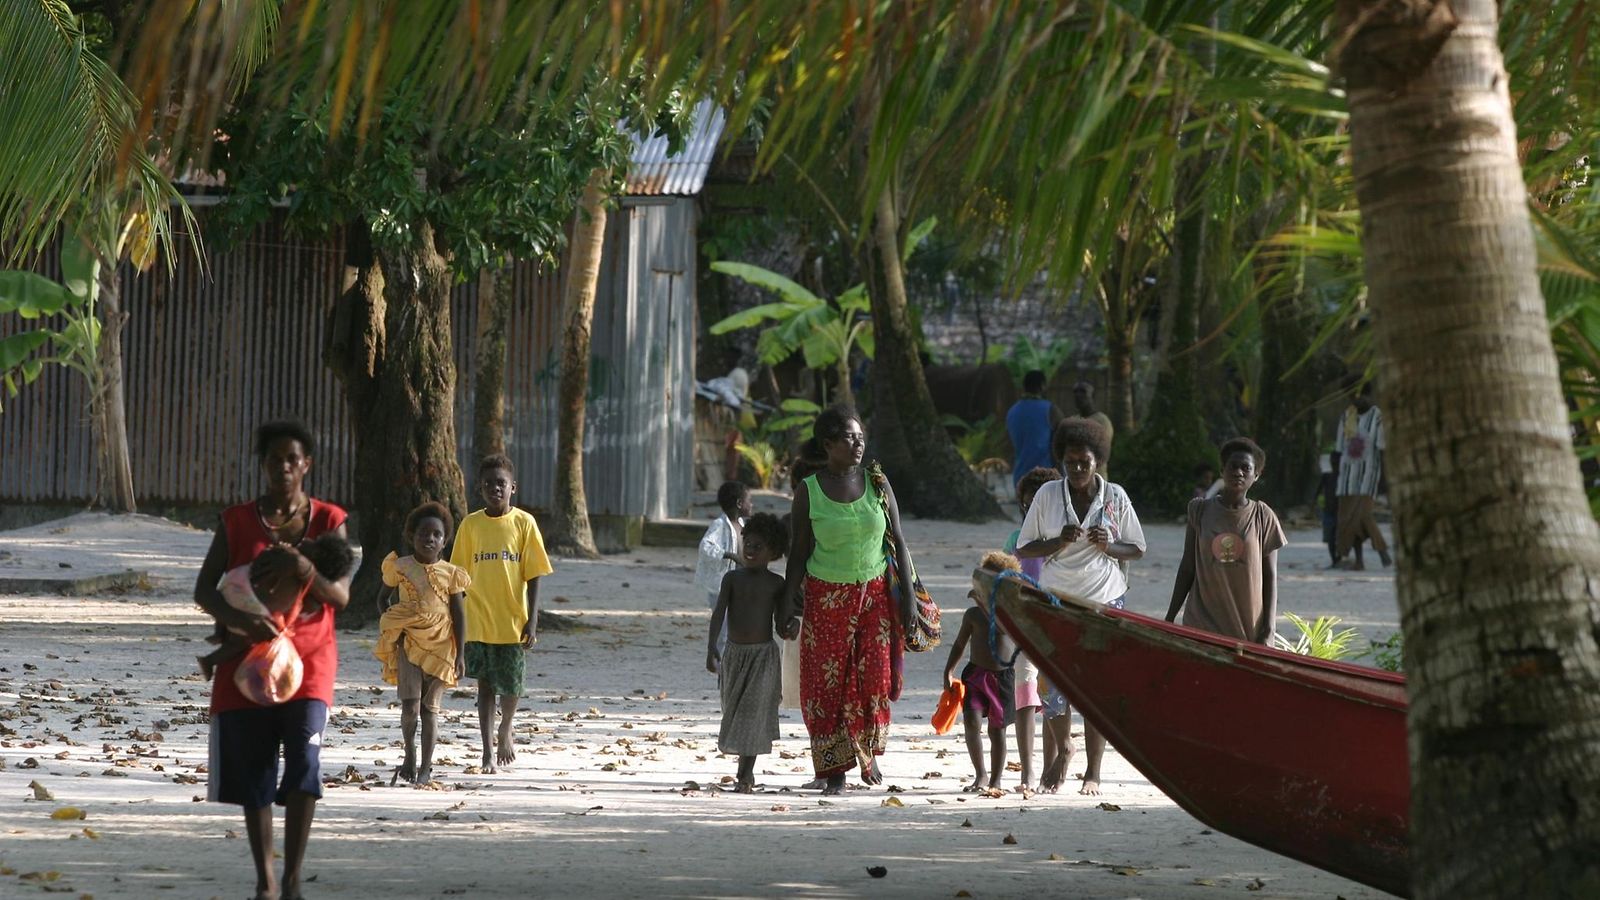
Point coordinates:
[[749, 667]]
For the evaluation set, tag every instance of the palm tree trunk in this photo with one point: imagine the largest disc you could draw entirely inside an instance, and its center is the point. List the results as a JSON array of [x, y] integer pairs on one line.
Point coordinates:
[[1119, 379], [1114, 304], [841, 373], [569, 532], [1499, 578], [390, 344], [930, 478], [489, 375], [110, 405], [1288, 388]]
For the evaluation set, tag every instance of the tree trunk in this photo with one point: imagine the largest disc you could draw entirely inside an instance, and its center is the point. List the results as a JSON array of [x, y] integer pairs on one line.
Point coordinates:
[[569, 533], [1499, 558], [1120, 332], [1285, 421], [845, 394], [930, 478], [489, 375], [389, 342], [109, 408], [1285, 410], [1156, 464], [1119, 379]]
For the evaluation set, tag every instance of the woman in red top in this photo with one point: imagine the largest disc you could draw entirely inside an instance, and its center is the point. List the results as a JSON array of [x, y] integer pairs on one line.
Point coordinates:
[[245, 737]]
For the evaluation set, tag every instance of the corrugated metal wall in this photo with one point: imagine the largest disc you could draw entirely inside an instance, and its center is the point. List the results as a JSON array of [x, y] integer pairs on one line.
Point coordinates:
[[209, 359]]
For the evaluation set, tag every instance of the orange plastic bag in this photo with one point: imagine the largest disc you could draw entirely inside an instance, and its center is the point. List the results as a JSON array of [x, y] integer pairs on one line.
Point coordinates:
[[270, 672], [944, 718]]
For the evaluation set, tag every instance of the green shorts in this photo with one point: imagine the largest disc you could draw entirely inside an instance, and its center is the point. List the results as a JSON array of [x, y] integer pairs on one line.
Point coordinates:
[[498, 667]]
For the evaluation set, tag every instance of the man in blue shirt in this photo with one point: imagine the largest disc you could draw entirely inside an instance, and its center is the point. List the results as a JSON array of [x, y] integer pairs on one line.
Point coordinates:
[[1030, 422]]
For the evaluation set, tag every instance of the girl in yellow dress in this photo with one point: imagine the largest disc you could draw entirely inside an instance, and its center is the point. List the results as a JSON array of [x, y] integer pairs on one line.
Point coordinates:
[[421, 632]]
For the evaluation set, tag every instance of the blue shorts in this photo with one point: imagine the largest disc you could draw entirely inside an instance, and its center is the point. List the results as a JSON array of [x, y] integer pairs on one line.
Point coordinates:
[[244, 753], [1055, 704]]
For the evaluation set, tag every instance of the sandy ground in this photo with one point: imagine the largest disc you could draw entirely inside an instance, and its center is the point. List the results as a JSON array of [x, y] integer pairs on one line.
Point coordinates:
[[616, 792]]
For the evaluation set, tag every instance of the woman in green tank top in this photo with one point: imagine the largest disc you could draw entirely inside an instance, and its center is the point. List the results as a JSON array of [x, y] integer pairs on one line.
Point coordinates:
[[853, 633]]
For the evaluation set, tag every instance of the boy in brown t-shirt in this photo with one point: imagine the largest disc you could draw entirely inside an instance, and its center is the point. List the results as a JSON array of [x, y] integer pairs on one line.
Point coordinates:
[[1228, 581]]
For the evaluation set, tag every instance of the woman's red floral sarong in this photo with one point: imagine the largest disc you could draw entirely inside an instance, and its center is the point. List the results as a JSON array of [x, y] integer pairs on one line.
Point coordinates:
[[847, 647]]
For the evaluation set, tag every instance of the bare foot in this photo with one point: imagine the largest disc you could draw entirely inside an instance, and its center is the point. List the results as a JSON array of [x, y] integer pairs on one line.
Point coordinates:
[[1090, 788], [834, 787], [745, 787], [505, 752], [870, 773], [424, 776], [976, 785], [815, 784], [408, 772], [487, 767], [1024, 788], [1387, 559], [994, 783], [1054, 774]]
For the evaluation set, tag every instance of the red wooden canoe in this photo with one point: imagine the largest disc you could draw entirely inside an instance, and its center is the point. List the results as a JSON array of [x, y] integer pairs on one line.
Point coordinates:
[[1300, 756]]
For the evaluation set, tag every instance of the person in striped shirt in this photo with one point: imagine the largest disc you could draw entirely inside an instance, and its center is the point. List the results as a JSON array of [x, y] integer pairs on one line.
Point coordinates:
[[1361, 442]]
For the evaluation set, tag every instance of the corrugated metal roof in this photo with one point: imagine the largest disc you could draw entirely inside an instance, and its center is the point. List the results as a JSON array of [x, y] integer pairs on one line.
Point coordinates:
[[653, 172]]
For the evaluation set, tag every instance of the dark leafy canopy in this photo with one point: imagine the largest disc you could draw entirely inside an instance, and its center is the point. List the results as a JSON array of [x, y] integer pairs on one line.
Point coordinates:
[[490, 192]]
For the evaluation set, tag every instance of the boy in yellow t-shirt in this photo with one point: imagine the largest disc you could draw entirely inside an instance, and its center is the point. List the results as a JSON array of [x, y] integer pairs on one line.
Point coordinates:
[[500, 547]]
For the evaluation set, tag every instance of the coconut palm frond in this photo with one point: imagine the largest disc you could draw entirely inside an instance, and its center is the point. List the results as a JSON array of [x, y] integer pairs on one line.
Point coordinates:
[[65, 124]]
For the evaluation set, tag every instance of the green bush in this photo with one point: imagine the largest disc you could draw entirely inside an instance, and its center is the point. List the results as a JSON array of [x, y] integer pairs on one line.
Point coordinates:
[[1156, 465]]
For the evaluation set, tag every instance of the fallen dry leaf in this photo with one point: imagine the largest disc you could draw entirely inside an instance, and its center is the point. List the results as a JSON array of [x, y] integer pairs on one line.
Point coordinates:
[[966, 823], [892, 801], [1207, 882], [780, 807], [1109, 807], [877, 871], [1055, 857], [1255, 884], [1125, 870], [68, 812], [1009, 838]]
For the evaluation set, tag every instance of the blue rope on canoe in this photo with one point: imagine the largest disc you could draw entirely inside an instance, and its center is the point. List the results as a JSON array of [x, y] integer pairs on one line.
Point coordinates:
[[994, 622]]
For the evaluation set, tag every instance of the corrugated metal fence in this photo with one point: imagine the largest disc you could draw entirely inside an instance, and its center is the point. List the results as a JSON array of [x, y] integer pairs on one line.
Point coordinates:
[[209, 358]]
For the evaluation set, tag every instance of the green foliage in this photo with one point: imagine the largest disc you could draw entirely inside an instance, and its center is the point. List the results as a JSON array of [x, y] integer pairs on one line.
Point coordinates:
[[800, 413], [75, 343], [1023, 356], [1386, 654], [1156, 465], [825, 332], [490, 191], [977, 441], [1323, 639], [763, 459]]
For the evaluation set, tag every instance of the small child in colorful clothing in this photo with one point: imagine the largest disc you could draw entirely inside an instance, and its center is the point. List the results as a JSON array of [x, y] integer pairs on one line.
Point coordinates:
[[1027, 674], [422, 630], [989, 682], [246, 590], [719, 548], [749, 666], [503, 552]]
